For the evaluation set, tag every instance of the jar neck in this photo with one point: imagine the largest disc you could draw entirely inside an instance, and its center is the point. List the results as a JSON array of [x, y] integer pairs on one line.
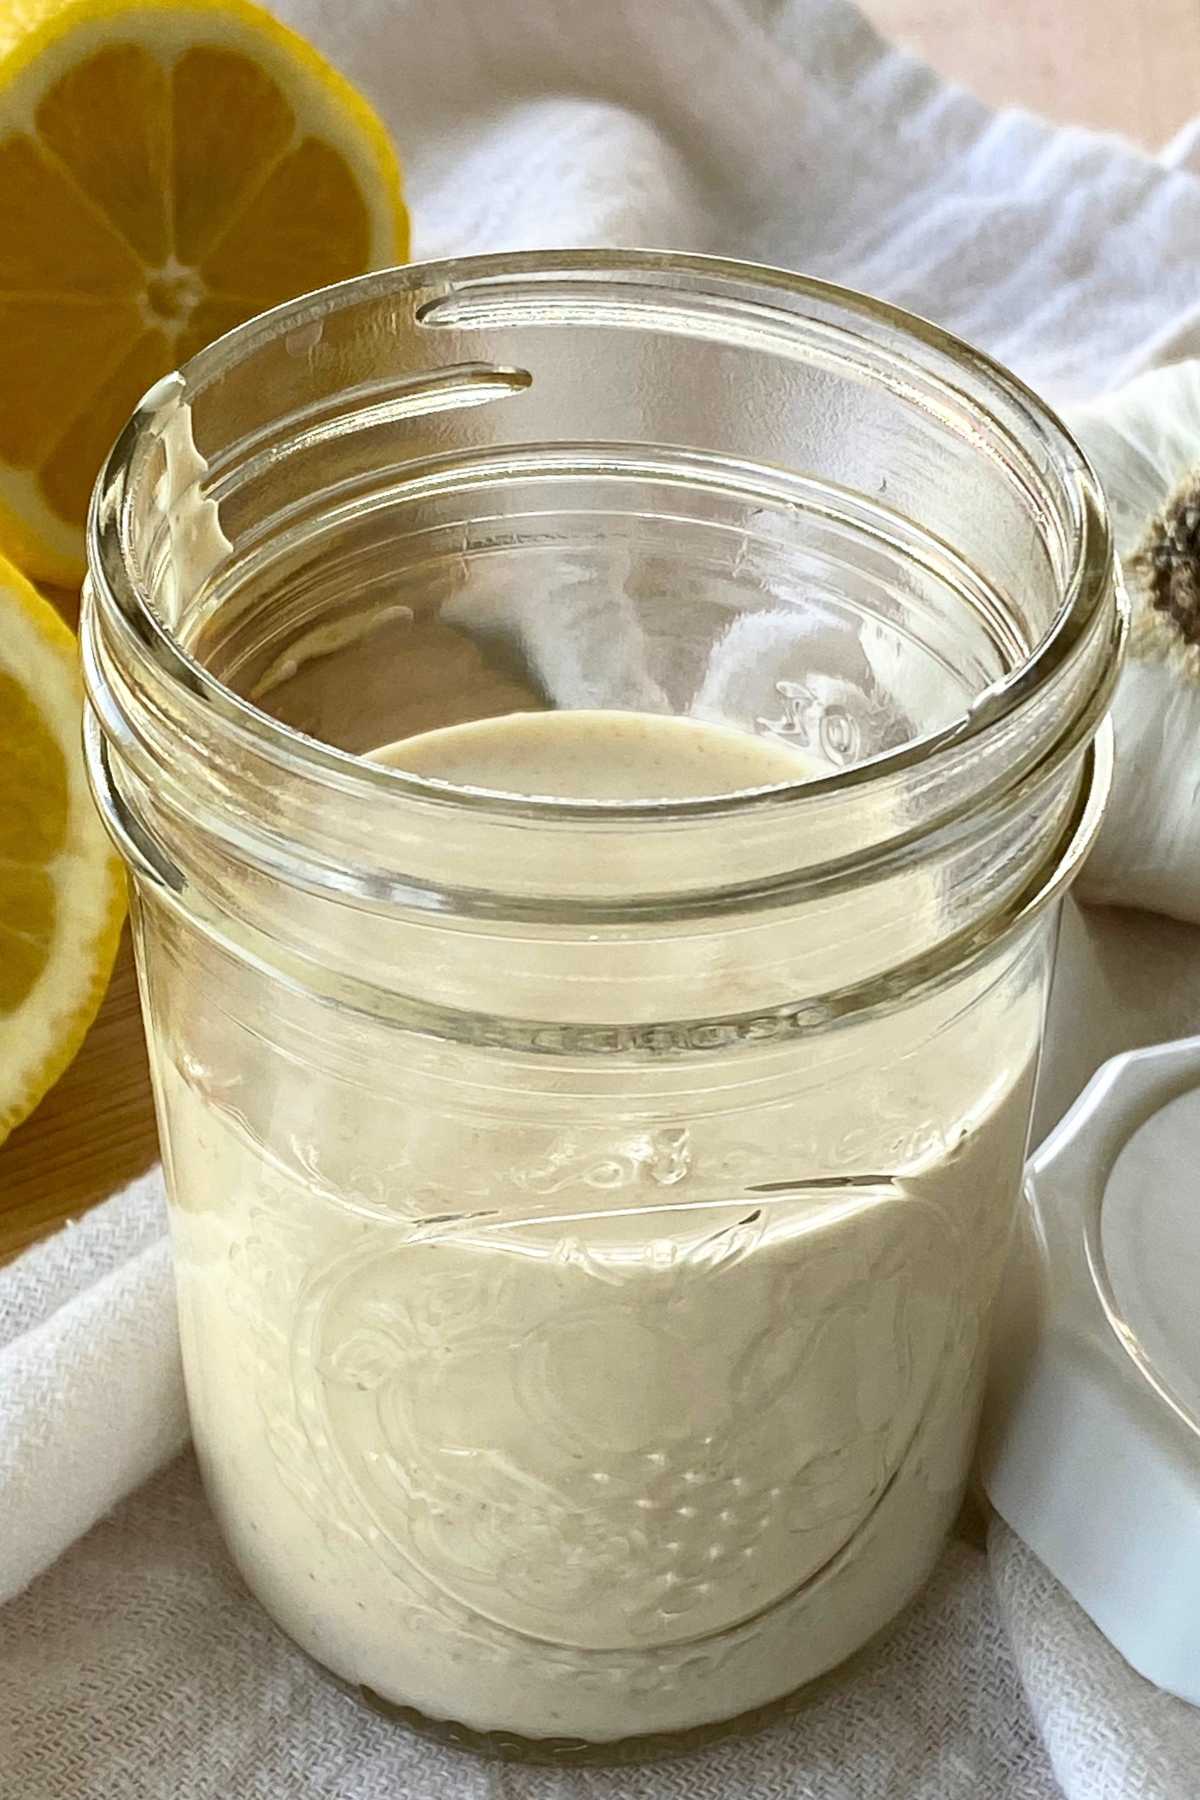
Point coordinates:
[[251, 484], [408, 930]]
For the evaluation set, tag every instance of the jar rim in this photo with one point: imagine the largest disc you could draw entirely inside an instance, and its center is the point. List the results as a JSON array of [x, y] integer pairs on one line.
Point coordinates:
[[1086, 590]]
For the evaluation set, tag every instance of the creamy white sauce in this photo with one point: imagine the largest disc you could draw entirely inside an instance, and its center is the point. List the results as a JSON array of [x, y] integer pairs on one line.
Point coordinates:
[[649, 1448], [593, 755]]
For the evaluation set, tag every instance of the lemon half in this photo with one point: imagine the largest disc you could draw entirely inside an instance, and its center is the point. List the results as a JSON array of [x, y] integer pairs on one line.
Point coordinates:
[[166, 171], [62, 892]]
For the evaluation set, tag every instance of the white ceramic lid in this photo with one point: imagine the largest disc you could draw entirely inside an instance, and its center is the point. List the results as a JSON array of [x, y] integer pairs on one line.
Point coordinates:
[[1091, 1436]]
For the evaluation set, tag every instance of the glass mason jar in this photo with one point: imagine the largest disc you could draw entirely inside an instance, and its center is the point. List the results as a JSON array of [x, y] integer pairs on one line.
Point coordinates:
[[587, 1214]]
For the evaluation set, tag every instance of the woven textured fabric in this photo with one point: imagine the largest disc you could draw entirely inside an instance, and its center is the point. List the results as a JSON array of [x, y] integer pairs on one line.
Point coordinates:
[[1110, 1735]]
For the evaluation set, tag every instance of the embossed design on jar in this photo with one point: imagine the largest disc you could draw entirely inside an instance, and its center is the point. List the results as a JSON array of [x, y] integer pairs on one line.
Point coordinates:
[[400, 1176], [568, 1438], [663, 1156], [836, 717]]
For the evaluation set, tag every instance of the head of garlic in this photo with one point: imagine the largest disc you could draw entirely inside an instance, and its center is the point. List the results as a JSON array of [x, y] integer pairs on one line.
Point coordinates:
[[1144, 443]]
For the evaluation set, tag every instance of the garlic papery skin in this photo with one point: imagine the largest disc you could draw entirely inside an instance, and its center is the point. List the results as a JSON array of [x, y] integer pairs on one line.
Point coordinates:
[[1144, 443]]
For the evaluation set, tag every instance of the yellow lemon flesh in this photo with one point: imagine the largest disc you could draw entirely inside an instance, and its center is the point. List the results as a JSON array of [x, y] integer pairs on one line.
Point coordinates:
[[62, 894], [166, 171]]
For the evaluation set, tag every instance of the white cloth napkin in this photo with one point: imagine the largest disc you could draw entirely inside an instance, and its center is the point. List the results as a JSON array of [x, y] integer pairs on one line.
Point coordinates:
[[132, 1665]]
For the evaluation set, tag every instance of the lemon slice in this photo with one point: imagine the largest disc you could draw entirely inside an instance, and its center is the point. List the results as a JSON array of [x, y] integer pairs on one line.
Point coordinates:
[[166, 171], [62, 894]]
